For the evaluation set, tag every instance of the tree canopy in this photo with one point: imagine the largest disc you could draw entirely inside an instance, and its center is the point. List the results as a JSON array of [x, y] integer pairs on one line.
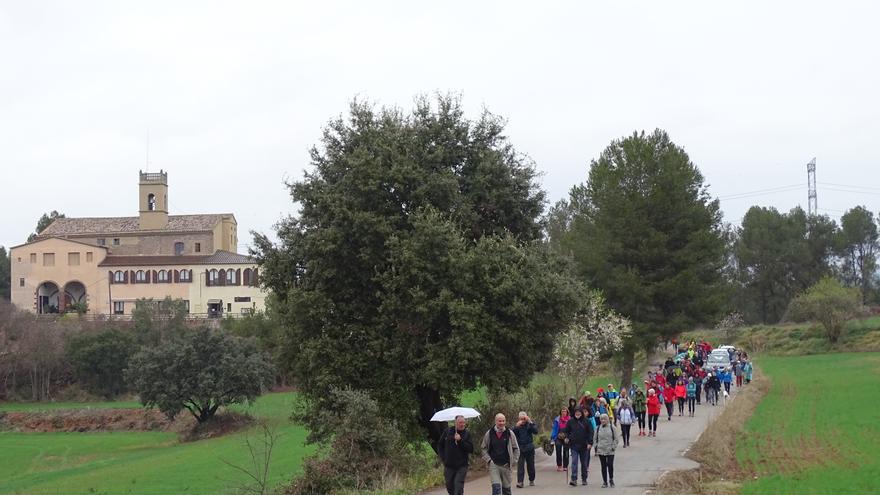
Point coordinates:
[[414, 268], [644, 230], [829, 303], [5, 274], [45, 220], [200, 370]]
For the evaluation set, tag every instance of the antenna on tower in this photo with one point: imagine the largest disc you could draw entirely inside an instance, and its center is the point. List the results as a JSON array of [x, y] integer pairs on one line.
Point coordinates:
[[812, 207]]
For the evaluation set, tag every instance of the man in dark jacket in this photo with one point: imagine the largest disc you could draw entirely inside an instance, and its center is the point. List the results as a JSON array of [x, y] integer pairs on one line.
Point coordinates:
[[524, 431], [454, 448], [579, 436]]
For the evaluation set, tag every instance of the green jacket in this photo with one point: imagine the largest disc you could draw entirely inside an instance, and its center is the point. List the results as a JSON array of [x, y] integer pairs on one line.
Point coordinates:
[[640, 403]]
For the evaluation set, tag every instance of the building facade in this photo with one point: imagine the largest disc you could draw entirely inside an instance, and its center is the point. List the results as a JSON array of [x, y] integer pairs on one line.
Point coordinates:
[[103, 266]]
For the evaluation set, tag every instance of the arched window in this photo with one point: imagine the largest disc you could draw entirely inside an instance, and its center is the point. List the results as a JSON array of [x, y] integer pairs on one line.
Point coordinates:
[[162, 276], [230, 277], [184, 275], [213, 278], [140, 276], [118, 277], [151, 202]]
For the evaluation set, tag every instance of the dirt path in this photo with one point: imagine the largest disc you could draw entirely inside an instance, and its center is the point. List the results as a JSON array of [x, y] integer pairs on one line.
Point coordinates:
[[636, 468]]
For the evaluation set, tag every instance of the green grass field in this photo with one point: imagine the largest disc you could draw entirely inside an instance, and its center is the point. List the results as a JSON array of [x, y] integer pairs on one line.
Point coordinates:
[[817, 429], [142, 462]]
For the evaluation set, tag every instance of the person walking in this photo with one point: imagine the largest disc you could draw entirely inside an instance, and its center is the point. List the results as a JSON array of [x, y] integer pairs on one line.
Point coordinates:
[[501, 453], [561, 447], [669, 399], [572, 405], [715, 385], [640, 407], [525, 430], [680, 395], [579, 437], [606, 443], [698, 381], [747, 371], [626, 416], [738, 373], [692, 394], [653, 405], [454, 448], [707, 386], [727, 378]]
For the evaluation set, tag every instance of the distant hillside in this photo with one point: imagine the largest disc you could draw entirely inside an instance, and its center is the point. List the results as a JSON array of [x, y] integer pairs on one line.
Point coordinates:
[[794, 339]]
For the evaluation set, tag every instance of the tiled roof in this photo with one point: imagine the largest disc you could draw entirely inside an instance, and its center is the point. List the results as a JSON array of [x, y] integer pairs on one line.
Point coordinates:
[[218, 258], [114, 225]]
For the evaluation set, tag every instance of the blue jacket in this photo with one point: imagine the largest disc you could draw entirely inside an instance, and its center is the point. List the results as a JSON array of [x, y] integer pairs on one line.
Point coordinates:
[[524, 435]]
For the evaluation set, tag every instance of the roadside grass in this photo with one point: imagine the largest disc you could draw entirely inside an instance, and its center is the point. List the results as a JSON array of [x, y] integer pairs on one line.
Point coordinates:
[[54, 406], [817, 431], [146, 462]]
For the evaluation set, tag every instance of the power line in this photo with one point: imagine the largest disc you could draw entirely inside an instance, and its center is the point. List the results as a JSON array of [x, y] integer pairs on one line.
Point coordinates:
[[852, 191], [761, 192], [850, 186]]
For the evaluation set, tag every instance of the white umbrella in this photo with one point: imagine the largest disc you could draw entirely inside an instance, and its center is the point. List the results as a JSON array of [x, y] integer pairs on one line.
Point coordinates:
[[450, 413]]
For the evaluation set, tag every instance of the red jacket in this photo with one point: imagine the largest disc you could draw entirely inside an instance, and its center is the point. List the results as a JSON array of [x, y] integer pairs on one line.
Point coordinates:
[[680, 392], [653, 404], [669, 394]]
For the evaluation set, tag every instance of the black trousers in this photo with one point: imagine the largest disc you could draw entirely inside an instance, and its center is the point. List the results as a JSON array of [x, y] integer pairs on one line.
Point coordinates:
[[526, 459], [681, 405], [669, 406], [641, 418], [562, 454], [455, 479], [692, 404], [652, 422], [698, 393], [624, 429], [607, 462]]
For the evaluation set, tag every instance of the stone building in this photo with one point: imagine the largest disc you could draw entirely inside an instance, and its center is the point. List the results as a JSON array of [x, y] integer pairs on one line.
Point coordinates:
[[107, 264]]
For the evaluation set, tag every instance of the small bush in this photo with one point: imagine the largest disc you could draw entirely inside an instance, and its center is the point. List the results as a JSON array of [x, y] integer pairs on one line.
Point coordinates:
[[99, 360], [367, 452]]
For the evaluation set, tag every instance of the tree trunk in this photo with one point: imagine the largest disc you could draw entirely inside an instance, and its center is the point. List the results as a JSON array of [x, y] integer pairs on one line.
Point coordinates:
[[429, 403], [629, 359]]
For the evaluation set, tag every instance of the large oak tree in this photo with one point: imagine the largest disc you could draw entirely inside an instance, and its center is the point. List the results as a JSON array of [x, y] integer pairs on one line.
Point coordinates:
[[413, 269]]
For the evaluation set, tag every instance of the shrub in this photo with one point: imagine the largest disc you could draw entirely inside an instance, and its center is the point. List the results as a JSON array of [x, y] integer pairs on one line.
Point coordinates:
[[367, 452], [829, 303]]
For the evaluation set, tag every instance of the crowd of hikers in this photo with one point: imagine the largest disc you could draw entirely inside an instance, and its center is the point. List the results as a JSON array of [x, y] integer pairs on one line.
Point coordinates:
[[597, 424]]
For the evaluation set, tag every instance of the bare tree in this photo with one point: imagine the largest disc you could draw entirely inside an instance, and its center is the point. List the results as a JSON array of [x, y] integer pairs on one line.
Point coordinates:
[[260, 452]]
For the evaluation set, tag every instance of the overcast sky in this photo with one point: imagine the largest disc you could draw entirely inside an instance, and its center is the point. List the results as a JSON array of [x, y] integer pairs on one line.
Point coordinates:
[[233, 94]]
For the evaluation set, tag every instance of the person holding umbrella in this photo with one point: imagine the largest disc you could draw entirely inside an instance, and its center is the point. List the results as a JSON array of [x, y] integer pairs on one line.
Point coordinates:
[[501, 453], [454, 448]]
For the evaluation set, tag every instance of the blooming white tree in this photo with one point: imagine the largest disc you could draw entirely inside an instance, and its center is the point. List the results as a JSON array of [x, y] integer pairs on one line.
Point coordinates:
[[596, 331]]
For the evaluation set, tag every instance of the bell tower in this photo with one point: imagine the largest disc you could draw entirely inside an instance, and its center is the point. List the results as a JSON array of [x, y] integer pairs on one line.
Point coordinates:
[[153, 199]]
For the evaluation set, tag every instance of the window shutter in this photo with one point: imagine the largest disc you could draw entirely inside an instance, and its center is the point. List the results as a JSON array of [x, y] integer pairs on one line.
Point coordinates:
[[176, 276], [111, 276], [190, 279], [125, 277], [133, 280], [238, 276], [255, 280], [222, 275], [208, 277], [147, 275]]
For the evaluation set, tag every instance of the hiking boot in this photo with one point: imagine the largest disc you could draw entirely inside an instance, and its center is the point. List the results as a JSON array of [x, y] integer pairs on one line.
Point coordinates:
[[612, 483], [584, 482], [532, 483], [519, 485], [573, 483]]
